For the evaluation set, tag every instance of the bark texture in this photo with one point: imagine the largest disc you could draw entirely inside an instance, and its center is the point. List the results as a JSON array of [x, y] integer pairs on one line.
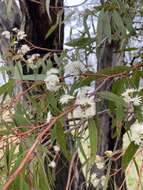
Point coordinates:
[[108, 58]]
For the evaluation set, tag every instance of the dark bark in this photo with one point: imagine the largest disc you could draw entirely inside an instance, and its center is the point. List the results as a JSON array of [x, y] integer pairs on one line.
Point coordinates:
[[108, 58], [37, 24]]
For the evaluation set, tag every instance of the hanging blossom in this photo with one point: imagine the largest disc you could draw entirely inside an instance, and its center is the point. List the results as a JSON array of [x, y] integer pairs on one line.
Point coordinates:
[[137, 133], [56, 148], [33, 57], [98, 181], [21, 35], [64, 99], [52, 81], [129, 97], [84, 91], [49, 117], [74, 69], [15, 30], [94, 180], [108, 153], [24, 49], [52, 164], [99, 162], [85, 107], [6, 34]]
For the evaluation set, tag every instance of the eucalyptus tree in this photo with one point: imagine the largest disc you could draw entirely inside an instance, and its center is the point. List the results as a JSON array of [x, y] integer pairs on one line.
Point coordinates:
[[63, 101]]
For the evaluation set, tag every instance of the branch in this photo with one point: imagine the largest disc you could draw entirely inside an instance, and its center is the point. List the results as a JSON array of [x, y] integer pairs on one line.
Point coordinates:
[[27, 157]]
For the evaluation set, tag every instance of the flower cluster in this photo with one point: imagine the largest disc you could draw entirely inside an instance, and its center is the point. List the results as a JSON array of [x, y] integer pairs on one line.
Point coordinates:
[[6, 34], [24, 49], [66, 98], [85, 104], [130, 98], [33, 58], [99, 162], [14, 37], [19, 34], [75, 68], [97, 181], [137, 133], [52, 81], [52, 164]]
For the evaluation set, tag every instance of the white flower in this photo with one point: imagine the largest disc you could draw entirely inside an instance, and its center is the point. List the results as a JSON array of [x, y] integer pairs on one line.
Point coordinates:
[[137, 133], [52, 82], [108, 153], [21, 35], [85, 109], [103, 180], [15, 29], [99, 162], [129, 91], [6, 34], [52, 164], [130, 99], [100, 165], [84, 90], [24, 49], [56, 148], [126, 98], [33, 58], [49, 117], [65, 98], [94, 180], [137, 100], [75, 68], [52, 71], [98, 158]]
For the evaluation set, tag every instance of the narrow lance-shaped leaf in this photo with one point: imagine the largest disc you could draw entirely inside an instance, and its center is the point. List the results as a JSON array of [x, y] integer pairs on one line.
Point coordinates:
[[129, 154], [112, 97], [93, 137]]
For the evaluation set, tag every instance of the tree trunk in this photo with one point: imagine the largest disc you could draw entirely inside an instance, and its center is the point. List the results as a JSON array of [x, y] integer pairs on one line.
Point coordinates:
[[107, 58], [37, 24]]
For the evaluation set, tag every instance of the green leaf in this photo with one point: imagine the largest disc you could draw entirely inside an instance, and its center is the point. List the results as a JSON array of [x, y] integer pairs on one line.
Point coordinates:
[[100, 28], [118, 23], [7, 88], [119, 86], [20, 116], [51, 30], [81, 42], [113, 70], [129, 154], [93, 137], [107, 27], [53, 103], [119, 113], [42, 179], [61, 138], [18, 73], [37, 77], [81, 149], [47, 4], [128, 23], [112, 97]]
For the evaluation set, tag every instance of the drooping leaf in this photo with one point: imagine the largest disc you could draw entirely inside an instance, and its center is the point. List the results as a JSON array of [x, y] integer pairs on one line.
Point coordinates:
[[81, 42], [92, 137], [129, 154], [61, 138], [112, 97], [118, 23]]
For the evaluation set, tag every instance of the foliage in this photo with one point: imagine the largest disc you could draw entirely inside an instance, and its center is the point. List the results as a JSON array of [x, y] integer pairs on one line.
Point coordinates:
[[29, 117]]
